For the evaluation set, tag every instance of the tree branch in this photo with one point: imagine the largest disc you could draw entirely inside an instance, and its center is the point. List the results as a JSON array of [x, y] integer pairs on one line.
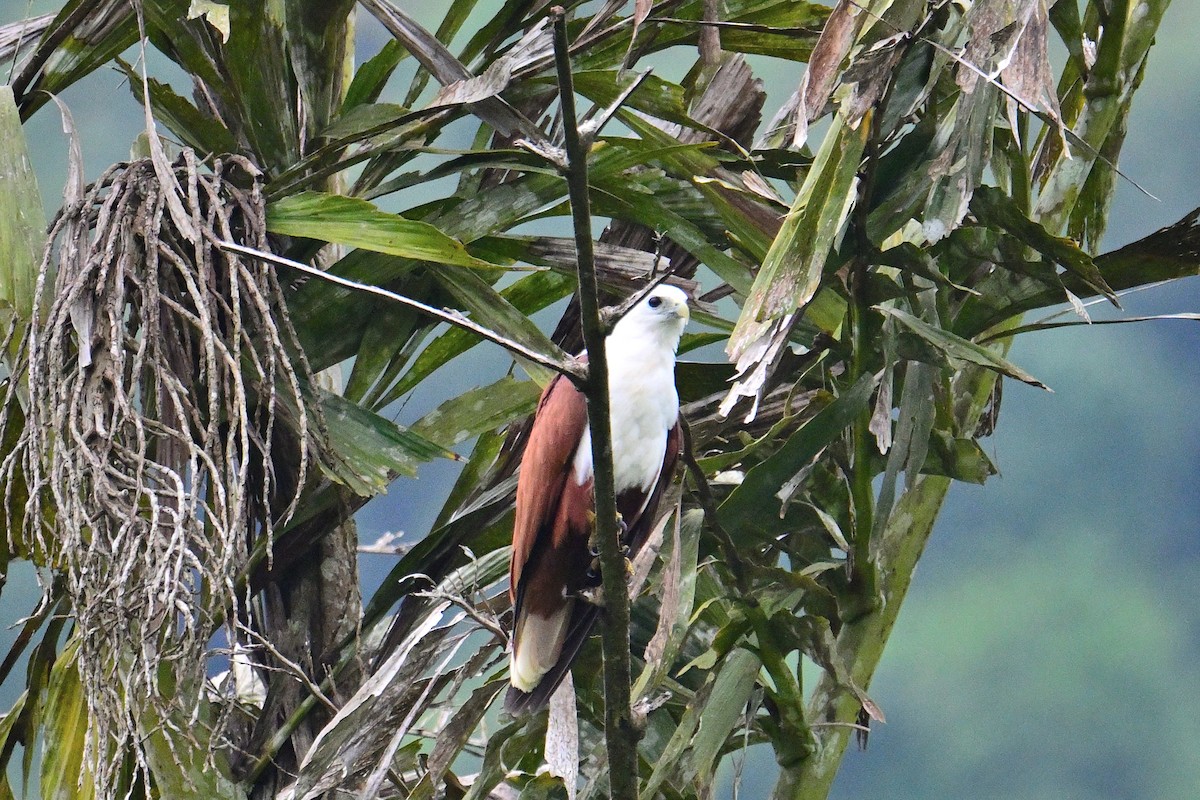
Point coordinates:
[[620, 734]]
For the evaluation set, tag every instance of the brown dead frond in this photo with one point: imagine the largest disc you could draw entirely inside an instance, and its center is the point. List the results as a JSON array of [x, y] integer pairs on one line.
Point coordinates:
[[166, 430]]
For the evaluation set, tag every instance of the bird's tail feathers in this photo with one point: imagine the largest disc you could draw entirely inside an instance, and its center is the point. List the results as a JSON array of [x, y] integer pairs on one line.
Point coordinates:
[[518, 701], [537, 644]]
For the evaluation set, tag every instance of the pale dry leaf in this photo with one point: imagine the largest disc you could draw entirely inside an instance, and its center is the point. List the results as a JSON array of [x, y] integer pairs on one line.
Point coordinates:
[[641, 10], [536, 44], [817, 83], [710, 35], [562, 736], [881, 418], [668, 601]]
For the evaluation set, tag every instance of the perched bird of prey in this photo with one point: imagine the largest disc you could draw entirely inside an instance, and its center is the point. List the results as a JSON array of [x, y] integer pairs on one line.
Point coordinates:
[[553, 556]]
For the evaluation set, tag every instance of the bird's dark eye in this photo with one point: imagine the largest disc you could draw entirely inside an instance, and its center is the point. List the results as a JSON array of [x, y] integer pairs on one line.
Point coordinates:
[[654, 302]]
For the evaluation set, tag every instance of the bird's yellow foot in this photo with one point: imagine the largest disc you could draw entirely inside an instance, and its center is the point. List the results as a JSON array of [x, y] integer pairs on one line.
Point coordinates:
[[591, 518], [593, 571]]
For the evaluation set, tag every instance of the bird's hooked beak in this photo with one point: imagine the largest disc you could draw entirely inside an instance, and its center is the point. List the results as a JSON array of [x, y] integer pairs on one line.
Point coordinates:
[[679, 309], [683, 312]]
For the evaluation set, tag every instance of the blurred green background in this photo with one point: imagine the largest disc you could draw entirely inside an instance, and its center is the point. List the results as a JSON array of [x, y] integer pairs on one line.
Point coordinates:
[[1050, 641]]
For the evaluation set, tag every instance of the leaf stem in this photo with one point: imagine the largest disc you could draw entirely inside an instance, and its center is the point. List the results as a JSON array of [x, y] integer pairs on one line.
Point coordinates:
[[795, 743], [620, 734]]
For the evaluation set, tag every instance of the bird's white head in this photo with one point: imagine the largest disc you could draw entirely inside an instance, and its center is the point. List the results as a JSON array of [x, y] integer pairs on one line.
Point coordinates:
[[659, 316]]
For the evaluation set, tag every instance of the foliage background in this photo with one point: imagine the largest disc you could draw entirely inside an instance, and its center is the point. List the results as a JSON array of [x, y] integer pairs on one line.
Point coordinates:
[[1050, 643]]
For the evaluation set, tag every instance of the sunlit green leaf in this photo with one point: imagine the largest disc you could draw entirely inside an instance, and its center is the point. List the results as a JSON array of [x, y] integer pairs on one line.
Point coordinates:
[[477, 410], [22, 221], [357, 223], [64, 774]]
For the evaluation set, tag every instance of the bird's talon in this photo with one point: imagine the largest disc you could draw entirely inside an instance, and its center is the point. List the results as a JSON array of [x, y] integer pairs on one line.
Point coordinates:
[[593, 596]]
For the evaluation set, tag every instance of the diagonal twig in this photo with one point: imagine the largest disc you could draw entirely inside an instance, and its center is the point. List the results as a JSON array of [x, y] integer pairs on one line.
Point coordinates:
[[568, 368]]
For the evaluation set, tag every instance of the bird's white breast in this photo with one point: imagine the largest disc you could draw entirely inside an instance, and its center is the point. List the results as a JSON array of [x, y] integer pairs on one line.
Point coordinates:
[[643, 407]]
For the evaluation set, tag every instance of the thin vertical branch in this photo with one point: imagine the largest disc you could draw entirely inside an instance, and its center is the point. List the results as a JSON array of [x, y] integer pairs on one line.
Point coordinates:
[[620, 734], [865, 573]]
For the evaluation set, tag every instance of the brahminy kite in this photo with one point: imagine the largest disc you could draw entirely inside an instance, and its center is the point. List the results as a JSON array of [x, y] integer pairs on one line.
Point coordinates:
[[553, 558]]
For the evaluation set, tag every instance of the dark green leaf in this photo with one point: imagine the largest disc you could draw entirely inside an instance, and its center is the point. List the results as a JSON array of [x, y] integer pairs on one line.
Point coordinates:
[[489, 308], [197, 130], [515, 737], [331, 319], [364, 120], [960, 459], [441, 550], [731, 691], [473, 476], [529, 294], [748, 502], [368, 450], [1164, 255], [389, 338], [993, 207], [649, 209], [908, 256], [960, 349], [777, 28], [670, 762], [654, 95], [372, 76], [812, 635], [73, 46], [751, 220]]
